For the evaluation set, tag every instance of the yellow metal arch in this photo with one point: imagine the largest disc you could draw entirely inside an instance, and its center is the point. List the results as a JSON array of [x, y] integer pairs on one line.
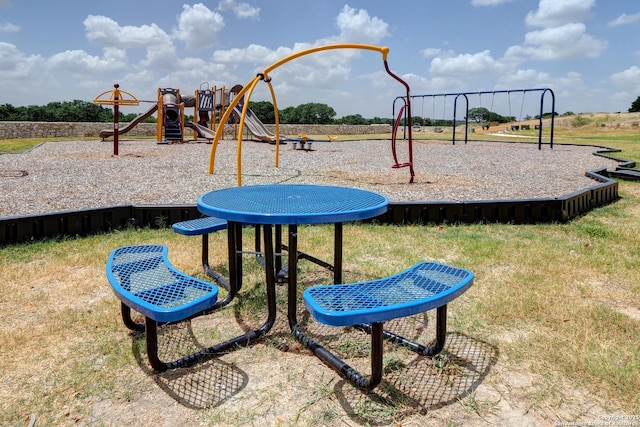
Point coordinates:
[[116, 97], [248, 90]]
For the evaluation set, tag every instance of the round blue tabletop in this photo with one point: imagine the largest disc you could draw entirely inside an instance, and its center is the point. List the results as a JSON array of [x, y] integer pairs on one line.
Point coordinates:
[[292, 204]]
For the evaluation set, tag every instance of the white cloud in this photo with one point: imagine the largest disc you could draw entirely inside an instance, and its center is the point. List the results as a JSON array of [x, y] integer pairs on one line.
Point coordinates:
[[15, 63], [252, 54], [355, 26], [139, 76], [565, 42], [358, 27], [554, 13], [433, 52], [625, 19], [628, 79], [418, 84], [8, 27], [107, 32], [21, 76], [241, 10], [523, 78], [198, 26], [78, 62], [465, 65], [488, 2], [162, 56], [430, 52]]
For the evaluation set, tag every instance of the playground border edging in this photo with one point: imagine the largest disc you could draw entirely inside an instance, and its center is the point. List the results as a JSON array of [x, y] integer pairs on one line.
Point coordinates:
[[529, 211]]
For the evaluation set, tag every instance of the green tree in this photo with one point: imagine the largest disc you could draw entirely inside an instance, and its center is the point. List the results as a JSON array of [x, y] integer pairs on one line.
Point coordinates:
[[314, 113], [479, 115], [74, 111], [9, 113], [264, 110], [379, 120], [288, 115], [635, 106], [353, 119]]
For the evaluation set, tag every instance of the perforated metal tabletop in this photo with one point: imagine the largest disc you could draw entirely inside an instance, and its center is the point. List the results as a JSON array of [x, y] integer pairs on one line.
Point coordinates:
[[292, 204]]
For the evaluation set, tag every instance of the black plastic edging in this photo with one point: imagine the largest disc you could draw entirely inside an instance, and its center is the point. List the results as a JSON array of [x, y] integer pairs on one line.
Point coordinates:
[[91, 221]]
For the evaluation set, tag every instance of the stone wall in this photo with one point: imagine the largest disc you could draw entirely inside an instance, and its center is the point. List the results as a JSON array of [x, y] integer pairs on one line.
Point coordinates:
[[293, 130], [10, 130]]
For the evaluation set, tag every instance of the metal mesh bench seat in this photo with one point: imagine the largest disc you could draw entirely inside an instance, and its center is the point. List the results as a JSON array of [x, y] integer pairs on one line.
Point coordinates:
[[144, 280], [200, 226], [422, 287]]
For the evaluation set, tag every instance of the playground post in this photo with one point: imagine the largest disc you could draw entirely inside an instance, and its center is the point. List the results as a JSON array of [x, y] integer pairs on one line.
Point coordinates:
[[116, 99]]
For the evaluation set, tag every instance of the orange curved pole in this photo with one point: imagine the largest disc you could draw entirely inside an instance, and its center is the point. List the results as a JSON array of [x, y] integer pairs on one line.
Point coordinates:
[[223, 121], [382, 49], [277, 118], [252, 86], [264, 76]]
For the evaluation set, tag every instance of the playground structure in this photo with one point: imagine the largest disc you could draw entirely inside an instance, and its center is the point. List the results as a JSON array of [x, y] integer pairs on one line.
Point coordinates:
[[515, 126], [209, 104], [238, 103], [116, 98]]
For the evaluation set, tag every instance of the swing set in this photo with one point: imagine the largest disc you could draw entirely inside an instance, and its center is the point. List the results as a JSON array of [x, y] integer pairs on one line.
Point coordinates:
[[248, 89], [543, 92]]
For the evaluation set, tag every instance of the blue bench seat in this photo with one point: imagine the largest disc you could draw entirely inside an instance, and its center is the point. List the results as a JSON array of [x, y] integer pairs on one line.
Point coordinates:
[[200, 226], [367, 305], [143, 279], [422, 287]]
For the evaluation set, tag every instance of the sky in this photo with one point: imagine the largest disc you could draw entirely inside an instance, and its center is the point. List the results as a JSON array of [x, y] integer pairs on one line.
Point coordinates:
[[586, 51]]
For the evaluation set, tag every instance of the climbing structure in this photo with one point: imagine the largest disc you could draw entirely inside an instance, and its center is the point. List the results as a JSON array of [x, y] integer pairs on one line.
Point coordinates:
[[247, 90]]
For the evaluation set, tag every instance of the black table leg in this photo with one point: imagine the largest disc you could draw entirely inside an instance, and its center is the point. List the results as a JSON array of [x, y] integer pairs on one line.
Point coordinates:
[[292, 289], [235, 255], [337, 253], [333, 361]]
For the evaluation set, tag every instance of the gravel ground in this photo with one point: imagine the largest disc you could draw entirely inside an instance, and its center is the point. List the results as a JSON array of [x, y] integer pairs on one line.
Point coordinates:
[[61, 176]]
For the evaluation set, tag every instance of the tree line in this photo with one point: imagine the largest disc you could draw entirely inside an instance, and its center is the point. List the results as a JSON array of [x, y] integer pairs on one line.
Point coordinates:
[[68, 111], [310, 113], [83, 111]]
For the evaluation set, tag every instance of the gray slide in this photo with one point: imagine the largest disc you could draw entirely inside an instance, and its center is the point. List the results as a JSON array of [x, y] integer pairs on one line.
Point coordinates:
[[256, 127], [107, 133], [203, 131]]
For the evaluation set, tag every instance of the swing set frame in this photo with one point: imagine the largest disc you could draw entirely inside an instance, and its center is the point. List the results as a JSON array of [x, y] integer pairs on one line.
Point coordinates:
[[543, 92]]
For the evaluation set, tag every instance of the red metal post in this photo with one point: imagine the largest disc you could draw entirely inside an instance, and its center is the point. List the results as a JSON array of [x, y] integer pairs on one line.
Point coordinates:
[[409, 125], [116, 118]]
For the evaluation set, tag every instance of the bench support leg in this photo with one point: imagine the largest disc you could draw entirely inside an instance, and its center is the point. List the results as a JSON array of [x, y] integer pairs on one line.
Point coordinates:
[[207, 268], [429, 351], [151, 326], [343, 368], [128, 321]]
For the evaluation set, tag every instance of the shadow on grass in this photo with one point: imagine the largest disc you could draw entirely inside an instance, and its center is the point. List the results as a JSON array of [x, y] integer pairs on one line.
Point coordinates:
[[204, 385], [423, 384]]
